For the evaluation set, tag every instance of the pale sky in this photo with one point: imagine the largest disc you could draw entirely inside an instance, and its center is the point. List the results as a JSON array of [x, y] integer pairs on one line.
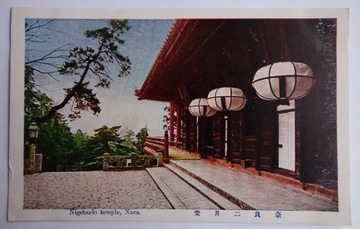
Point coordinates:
[[118, 103]]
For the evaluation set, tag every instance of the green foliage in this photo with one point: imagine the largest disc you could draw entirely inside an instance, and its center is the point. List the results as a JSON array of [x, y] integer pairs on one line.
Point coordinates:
[[105, 139], [143, 133], [36, 102], [61, 149], [56, 144], [84, 63], [166, 118]]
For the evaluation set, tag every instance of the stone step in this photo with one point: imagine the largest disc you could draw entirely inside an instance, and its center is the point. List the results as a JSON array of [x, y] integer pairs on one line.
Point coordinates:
[[213, 196], [213, 192], [179, 194], [251, 192]]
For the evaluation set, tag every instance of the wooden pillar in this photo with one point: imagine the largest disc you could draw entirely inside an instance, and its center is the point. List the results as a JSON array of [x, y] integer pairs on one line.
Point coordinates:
[[166, 148], [171, 122], [178, 126]]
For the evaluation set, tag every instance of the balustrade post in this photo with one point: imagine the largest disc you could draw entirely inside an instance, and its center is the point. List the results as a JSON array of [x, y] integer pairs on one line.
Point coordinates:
[[160, 159], [38, 163], [32, 159], [106, 161], [166, 148], [133, 160]]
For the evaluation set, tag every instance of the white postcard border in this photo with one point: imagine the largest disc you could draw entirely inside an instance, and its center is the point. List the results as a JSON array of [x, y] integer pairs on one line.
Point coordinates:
[[16, 211]]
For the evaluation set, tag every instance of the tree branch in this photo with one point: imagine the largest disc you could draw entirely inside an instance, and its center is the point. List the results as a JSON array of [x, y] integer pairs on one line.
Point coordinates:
[[49, 55]]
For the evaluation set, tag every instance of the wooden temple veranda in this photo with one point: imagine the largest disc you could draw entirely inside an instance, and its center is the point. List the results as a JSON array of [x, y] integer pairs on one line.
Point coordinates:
[[297, 138]]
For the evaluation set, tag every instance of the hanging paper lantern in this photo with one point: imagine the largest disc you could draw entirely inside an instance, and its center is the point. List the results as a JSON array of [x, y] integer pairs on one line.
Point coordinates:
[[227, 99], [283, 81], [200, 108]]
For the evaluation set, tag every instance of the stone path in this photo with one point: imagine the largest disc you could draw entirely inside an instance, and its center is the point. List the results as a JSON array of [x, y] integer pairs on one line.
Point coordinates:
[[95, 189], [179, 193], [182, 184], [252, 192], [176, 174]]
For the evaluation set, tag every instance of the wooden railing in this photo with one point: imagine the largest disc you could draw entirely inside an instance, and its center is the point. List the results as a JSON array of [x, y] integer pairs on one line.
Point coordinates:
[[134, 161], [155, 145]]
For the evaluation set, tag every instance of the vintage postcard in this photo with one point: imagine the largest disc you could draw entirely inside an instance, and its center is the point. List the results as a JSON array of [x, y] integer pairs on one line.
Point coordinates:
[[179, 115]]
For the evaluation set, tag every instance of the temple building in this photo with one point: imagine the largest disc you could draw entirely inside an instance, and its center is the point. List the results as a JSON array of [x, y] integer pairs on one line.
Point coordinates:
[[255, 92]]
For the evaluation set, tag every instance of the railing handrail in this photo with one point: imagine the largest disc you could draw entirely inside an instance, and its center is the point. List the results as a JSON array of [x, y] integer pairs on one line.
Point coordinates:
[[134, 158], [157, 141], [159, 144], [156, 138]]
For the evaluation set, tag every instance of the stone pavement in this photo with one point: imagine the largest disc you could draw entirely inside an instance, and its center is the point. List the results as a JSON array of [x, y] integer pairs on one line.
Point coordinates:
[[182, 184], [252, 192], [95, 189]]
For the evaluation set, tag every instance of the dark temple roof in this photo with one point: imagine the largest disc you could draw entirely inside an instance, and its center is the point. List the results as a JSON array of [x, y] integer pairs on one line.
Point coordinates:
[[201, 54]]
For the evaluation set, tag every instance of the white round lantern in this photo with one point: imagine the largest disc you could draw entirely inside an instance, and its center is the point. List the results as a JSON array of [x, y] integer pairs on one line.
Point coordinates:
[[283, 81], [227, 99], [200, 108]]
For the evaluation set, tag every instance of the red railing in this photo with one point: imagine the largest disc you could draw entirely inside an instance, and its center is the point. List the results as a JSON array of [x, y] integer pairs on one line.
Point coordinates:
[[154, 145]]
